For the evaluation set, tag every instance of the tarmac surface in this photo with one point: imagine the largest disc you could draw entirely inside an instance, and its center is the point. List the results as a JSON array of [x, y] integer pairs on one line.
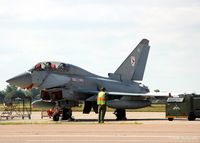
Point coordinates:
[[141, 127]]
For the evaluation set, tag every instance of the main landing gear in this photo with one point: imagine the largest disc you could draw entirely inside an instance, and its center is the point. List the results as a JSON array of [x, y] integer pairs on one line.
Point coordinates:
[[120, 114], [63, 109], [65, 113]]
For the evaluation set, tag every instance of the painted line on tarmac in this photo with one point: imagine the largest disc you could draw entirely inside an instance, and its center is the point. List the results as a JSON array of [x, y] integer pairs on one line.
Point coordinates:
[[115, 135], [111, 140]]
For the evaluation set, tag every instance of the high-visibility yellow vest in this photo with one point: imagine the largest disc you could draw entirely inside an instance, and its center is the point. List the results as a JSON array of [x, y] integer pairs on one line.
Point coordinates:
[[101, 98]]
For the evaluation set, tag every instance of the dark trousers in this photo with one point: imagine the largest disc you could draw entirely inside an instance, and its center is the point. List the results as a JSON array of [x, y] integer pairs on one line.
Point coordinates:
[[102, 112]]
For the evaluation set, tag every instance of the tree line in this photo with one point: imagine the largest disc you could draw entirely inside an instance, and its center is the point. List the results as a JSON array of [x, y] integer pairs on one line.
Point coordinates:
[[12, 91]]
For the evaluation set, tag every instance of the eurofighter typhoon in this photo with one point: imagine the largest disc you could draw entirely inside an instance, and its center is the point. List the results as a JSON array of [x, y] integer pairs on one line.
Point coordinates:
[[67, 85]]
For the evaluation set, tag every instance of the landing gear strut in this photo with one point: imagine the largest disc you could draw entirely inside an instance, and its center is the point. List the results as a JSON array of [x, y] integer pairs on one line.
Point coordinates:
[[120, 114]]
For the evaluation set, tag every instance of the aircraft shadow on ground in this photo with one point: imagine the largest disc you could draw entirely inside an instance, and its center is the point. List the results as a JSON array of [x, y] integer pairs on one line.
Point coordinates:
[[110, 120], [128, 120]]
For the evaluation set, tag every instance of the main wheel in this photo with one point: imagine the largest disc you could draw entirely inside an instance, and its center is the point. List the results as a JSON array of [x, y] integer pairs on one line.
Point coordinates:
[[56, 117], [67, 114], [120, 114], [170, 119], [191, 117]]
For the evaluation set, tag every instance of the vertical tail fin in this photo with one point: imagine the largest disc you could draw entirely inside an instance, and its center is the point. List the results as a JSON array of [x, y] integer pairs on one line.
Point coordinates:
[[134, 65]]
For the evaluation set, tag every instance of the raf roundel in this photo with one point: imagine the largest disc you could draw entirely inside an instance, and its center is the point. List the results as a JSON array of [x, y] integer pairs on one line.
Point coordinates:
[[132, 60]]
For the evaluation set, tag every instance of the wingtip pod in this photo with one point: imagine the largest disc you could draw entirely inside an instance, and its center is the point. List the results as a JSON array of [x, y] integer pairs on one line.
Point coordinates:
[[144, 41]]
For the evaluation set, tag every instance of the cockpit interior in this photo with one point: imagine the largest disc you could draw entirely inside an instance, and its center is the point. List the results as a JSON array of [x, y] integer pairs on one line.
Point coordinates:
[[51, 66]]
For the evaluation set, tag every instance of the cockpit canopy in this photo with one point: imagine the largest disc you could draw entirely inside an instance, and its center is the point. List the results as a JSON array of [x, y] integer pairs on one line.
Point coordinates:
[[51, 66], [62, 68]]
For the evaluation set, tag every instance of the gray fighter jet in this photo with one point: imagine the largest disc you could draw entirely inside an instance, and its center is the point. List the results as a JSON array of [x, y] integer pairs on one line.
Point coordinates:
[[67, 85]]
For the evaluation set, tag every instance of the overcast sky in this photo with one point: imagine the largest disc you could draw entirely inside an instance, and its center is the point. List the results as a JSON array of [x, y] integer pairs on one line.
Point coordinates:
[[99, 34]]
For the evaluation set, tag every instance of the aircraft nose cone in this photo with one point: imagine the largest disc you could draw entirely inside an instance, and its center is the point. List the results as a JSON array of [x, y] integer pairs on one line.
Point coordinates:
[[23, 80]]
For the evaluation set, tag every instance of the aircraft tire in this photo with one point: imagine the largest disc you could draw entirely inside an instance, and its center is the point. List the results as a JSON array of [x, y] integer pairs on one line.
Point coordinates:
[[56, 117], [170, 119], [191, 117], [67, 113], [120, 114]]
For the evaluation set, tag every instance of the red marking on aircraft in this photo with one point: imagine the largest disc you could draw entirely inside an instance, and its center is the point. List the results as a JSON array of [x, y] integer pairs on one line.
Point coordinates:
[[132, 60]]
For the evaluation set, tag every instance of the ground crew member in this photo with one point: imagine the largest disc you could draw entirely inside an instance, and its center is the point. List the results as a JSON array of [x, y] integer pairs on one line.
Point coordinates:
[[101, 102]]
